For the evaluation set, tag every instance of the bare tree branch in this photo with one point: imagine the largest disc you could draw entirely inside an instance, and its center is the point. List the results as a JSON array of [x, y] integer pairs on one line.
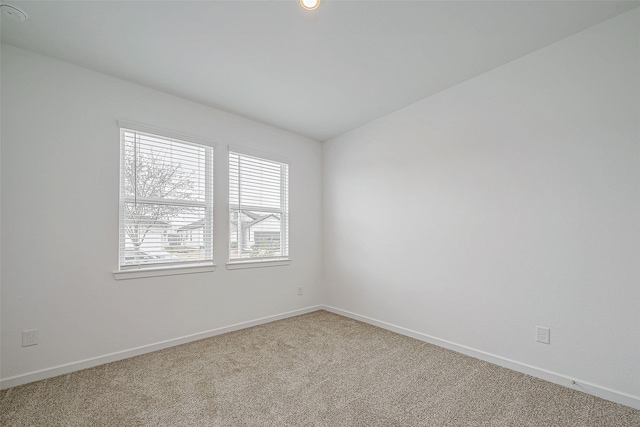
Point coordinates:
[[149, 175]]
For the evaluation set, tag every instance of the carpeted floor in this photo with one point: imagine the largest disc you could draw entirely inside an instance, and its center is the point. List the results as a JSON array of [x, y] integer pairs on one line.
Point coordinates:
[[317, 369]]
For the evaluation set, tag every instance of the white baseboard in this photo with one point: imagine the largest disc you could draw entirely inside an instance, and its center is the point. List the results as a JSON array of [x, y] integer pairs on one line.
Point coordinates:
[[587, 387], [125, 354], [574, 383]]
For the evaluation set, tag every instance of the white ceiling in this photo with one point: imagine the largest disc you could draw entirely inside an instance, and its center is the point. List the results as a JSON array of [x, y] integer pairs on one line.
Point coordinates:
[[319, 73]]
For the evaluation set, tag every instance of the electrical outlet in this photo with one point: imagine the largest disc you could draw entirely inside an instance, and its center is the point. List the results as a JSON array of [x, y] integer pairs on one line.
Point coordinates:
[[543, 334], [29, 337], [299, 291]]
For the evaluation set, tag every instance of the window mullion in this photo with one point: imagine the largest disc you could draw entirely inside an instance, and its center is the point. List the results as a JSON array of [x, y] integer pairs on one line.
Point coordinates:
[[168, 202], [208, 223]]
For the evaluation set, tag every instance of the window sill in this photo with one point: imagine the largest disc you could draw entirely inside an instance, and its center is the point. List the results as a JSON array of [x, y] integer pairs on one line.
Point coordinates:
[[237, 265], [162, 271]]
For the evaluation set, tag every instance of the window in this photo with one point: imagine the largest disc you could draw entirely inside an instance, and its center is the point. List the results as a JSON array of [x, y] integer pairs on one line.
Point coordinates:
[[258, 208], [166, 201]]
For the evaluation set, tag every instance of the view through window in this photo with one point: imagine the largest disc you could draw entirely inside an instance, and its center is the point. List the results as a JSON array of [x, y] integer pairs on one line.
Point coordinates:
[[166, 201], [258, 208]]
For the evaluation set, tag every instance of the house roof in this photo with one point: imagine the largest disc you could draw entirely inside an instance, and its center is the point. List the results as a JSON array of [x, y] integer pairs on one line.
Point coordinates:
[[262, 218], [196, 224], [256, 218]]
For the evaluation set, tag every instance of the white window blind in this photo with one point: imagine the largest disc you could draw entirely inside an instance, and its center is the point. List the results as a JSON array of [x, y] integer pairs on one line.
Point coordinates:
[[258, 204], [166, 201]]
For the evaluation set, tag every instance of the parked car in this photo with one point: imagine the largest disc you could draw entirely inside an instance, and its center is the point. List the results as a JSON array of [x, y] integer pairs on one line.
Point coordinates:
[[146, 257], [140, 256]]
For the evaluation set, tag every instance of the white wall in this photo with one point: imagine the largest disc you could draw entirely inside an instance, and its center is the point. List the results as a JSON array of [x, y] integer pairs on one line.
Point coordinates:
[[60, 177], [509, 201]]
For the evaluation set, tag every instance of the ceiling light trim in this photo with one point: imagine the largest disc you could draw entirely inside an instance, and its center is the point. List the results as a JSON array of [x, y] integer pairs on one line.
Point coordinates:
[[15, 13], [310, 4]]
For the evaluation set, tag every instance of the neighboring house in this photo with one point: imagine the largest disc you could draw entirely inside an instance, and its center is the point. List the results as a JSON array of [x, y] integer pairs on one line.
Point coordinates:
[[154, 237], [191, 235], [260, 232]]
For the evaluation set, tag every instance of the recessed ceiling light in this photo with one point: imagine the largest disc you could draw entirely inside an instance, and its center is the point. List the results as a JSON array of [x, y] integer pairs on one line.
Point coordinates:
[[309, 4], [14, 13]]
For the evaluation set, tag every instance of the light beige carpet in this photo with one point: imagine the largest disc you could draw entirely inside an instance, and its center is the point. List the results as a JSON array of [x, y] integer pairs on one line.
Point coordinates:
[[317, 369]]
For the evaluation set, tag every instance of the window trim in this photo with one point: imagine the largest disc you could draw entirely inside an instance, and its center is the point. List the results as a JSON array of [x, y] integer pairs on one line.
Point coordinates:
[[163, 271], [243, 263], [240, 265], [141, 271], [259, 154], [140, 127]]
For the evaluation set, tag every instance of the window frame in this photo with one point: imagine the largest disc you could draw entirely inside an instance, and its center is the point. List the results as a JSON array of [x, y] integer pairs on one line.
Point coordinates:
[[255, 262], [167, 268]]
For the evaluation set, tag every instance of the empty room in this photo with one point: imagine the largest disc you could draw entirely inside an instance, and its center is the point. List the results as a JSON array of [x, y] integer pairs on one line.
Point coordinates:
[[333, 213]]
